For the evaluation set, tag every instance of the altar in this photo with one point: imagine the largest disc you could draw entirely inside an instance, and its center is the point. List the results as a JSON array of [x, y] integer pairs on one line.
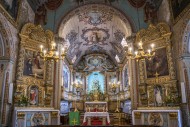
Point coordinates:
[[34, 116], [96, 113]]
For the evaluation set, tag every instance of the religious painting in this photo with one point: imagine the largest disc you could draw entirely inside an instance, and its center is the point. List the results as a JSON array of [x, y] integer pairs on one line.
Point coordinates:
[[158, 63], [64, 107], [33, 95], [158, 95], [126, 77], [127, 106], [96, 81], [33, 64], [66, 76], [11, 6], [178, 6], [79, 77]]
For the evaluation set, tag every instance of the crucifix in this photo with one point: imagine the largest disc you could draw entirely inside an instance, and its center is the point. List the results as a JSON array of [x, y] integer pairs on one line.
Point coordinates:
[[156, 76], [74, 121]]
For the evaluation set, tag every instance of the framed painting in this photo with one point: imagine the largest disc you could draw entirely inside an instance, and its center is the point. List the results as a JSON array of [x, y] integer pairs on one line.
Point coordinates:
[[157, 64], [66, 76], [34, 95], [126, 77], [178, 8], [33, 64], [11, 6]]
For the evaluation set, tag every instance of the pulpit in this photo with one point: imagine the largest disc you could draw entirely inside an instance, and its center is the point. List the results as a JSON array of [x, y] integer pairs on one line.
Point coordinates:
[[96, 113]]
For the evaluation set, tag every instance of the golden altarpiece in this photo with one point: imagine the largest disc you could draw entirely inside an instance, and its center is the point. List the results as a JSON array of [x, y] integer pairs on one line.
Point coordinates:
[[33, 95], [157, 90]]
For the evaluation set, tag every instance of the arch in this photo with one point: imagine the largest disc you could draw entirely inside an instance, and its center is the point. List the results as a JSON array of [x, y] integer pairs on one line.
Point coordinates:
[[2, 46], [73, 12], [184, 31], [7, 38]]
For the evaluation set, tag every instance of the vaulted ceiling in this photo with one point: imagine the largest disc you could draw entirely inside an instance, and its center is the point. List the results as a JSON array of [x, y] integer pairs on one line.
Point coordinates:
[[91, 26], [95, 29]]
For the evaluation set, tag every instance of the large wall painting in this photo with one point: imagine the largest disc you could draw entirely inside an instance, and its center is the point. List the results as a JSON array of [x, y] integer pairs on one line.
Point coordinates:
[[126, 77], [64, 107], [11, 6], [66, 76], [33, 64], [158, 63], [178, 6], [95, 79]]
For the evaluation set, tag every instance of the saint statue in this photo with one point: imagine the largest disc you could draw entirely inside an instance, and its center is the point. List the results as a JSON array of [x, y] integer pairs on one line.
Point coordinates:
[[33, 96], [158, 96]]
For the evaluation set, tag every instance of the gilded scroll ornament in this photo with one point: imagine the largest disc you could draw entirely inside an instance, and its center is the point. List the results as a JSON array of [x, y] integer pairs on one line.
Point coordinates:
[[21, 115]]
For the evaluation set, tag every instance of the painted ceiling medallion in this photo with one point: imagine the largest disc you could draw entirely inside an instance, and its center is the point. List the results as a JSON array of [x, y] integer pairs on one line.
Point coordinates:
[[95, 49], [95, 17], [95, 35]]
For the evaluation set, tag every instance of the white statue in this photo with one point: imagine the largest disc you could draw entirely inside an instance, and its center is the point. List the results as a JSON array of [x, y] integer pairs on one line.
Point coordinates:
[[158, 96]]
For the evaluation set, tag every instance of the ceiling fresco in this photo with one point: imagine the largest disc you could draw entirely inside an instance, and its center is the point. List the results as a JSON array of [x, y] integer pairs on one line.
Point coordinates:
[[94, 28]]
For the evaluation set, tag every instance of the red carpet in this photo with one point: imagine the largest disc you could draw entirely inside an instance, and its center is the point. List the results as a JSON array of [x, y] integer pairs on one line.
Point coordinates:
[[95, 121]]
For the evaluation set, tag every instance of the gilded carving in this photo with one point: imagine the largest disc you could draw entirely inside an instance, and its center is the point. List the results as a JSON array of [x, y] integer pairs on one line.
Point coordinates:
[[153, 32], [159, 35], [173, 115], [155, 119], [20, 115], [32, 86], [137, 115], [54, 114]]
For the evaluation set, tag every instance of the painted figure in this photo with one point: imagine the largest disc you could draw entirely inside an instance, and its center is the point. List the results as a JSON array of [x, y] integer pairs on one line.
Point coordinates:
[[28, 70], [33, 96]]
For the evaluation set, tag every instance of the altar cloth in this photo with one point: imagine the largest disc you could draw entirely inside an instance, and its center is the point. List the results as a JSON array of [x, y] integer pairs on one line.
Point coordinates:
[[96, 114]]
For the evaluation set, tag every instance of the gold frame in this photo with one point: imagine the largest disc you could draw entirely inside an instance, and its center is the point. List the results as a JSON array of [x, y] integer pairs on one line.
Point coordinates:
[[13, 21], [180, 14]]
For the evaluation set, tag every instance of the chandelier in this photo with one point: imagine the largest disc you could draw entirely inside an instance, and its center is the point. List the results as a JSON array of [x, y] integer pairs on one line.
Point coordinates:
[[141, 53], [77, 85], [52, 54], [113, 86]]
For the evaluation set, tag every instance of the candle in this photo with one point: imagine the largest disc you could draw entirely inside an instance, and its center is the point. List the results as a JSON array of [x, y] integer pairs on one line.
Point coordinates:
[[41, 47], [45, 52], [130, 49], [44, 94], [53, 45], [136, 53], [149, 51]]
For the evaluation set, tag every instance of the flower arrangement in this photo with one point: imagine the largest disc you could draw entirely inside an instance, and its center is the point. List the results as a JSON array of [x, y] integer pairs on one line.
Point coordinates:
[[23, 101]]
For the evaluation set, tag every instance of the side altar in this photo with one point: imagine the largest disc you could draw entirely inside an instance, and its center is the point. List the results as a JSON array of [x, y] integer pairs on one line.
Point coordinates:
[[96, 113], [158, 102], [34, 116]]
